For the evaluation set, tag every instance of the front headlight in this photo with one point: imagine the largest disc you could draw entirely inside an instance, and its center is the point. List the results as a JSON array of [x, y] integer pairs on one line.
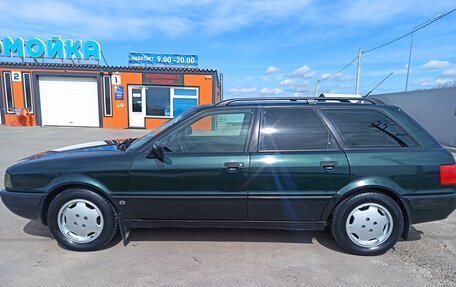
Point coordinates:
[[8, 183]]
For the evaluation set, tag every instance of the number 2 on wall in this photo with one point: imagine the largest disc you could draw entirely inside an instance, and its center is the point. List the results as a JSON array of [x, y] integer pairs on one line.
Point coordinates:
[[16, 76]]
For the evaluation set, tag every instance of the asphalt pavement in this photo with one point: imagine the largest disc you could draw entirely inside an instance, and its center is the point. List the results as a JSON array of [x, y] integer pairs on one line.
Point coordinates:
[[205, 257]]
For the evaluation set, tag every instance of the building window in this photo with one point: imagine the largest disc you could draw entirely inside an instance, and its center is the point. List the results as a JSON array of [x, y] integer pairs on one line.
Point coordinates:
[[169, 102], [158, 102], [27, 88], [183, 100], [107, 96], [8, 92]]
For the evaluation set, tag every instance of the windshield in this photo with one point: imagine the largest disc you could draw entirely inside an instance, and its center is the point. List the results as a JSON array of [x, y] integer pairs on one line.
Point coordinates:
[[145, 138]]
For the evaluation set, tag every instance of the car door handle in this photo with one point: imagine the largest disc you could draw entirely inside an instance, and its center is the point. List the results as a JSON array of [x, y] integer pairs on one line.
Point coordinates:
[[328, 165], [233, 166]]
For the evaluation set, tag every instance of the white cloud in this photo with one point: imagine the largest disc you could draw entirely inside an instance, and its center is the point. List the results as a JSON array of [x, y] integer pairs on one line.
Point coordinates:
[[120, 20], [243, 90], [367, 11], [273, 91], [430, 83], [303, 71], [272, 70], [288, 82], [235, 14], [435, 65], [449, 73], [76, 20]]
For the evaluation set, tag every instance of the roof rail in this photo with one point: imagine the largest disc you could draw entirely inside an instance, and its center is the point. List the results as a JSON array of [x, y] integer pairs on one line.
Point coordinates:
[[309, 100]]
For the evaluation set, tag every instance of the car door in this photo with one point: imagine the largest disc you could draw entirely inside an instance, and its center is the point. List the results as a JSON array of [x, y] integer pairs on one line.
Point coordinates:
[[204, 172], [298, 166]]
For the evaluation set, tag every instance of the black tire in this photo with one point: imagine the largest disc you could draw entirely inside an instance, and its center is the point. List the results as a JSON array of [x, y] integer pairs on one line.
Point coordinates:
[[343, 210], [109, 217]]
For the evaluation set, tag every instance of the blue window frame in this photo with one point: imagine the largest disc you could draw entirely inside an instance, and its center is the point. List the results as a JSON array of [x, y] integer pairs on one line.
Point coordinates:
[[185, 92], [181, 105]]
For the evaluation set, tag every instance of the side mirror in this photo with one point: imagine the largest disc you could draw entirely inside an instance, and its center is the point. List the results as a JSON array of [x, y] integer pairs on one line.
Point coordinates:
[[158, 151]]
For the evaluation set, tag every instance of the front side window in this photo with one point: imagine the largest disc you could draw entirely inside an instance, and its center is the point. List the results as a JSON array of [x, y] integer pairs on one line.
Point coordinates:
[[369, 129], [7, 85], [293, 129], [214, 133]]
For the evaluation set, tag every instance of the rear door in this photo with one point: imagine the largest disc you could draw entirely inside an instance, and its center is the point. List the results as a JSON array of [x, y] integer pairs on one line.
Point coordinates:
[[298, 166]]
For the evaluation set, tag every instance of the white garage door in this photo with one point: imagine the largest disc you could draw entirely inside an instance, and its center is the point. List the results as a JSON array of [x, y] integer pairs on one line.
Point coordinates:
[[69, 101]]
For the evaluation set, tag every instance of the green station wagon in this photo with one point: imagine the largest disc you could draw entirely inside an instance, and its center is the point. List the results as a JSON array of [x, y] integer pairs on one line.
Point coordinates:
[[364, 169]]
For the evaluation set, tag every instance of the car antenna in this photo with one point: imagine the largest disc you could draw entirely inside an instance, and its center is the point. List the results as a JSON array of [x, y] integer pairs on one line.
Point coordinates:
[[378, 85]]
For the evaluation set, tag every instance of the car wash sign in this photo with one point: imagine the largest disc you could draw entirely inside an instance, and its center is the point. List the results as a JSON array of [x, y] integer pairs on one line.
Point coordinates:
[[54, 48]]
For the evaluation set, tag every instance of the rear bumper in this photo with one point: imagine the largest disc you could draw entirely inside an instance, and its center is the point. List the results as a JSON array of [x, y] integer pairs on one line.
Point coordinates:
[[24, 204], [425, 208]]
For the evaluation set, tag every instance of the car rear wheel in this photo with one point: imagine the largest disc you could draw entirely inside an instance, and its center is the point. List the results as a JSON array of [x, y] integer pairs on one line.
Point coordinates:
[[82, 220], [367, 224]]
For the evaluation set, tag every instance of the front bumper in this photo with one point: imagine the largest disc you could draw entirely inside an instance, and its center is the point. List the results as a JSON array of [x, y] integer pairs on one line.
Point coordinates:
[[24, 204], [425, 208]]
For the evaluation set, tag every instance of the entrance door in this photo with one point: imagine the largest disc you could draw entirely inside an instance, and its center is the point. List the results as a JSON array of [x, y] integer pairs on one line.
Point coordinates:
[[136, 109]]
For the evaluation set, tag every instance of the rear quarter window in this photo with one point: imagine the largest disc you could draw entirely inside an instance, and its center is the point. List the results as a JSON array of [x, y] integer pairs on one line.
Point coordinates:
[[369, 129]]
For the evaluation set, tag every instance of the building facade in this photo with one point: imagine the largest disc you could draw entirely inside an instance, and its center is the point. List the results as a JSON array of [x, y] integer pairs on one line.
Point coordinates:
[[434, 109], [83, 95]]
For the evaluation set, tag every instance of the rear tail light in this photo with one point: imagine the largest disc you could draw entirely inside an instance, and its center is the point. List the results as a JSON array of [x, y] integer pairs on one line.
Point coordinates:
[[448, 174]]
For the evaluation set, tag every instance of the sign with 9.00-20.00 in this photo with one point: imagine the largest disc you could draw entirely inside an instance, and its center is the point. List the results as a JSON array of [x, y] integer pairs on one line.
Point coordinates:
[[150, 59]]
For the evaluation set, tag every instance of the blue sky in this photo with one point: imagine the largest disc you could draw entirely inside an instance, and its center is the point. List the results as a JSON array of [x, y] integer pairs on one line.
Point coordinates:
[[263, 48]]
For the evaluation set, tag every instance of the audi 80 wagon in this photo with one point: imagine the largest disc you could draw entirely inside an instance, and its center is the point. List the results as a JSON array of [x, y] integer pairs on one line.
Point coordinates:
[[365, 170]]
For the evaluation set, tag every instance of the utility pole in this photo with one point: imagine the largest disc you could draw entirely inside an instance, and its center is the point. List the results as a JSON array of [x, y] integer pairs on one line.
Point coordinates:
[[358, 71], [411, 46], [408, 65], [221, 87], [316, 88]]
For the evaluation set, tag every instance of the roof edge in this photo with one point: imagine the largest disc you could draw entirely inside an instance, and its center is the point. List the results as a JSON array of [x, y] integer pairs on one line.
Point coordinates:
[[94, 67]]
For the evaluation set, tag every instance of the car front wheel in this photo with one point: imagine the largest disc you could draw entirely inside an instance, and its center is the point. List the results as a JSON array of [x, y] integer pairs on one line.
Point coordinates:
[[367, 224], [82, 220]]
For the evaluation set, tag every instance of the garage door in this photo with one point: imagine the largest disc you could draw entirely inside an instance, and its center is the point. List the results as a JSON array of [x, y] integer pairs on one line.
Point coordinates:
[[69, 101]]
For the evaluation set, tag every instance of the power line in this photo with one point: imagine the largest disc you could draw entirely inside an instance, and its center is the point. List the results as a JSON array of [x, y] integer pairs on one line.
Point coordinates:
[[411, 32], [104, 59], [308, 89], [339, 71]]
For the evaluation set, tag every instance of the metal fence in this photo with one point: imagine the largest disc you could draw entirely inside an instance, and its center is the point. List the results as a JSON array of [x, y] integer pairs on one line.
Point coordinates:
[[434, 109]]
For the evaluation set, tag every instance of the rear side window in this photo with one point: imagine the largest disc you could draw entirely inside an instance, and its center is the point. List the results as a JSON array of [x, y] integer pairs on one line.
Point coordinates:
[[369, 129], [291, 129]]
